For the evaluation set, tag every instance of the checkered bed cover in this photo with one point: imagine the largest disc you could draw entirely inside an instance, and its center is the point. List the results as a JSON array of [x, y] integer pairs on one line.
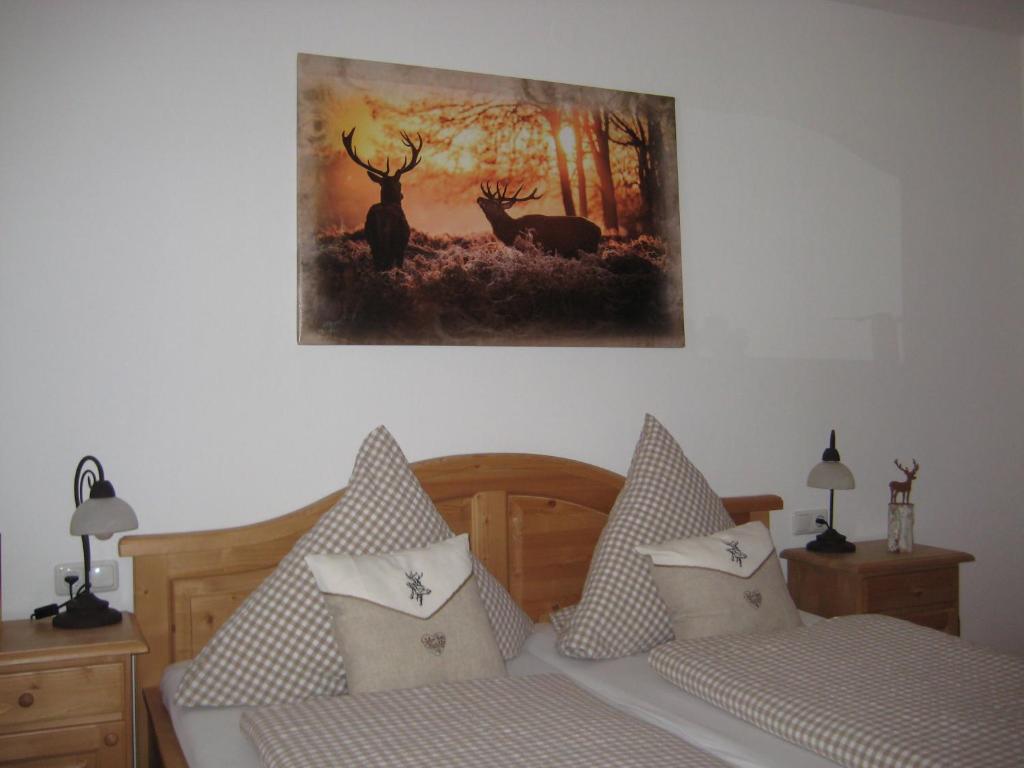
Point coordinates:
[[537, 720], [863, 691]]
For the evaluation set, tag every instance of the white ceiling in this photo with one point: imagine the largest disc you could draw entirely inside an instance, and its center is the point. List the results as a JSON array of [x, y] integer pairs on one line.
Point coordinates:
[[999, 15]]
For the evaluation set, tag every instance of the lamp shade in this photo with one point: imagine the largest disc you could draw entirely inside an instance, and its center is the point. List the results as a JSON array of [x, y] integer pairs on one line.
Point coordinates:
[[103, 517], [831, 475]]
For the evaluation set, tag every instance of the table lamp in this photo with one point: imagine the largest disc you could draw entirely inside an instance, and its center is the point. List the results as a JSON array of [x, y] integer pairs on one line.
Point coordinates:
[[101, 515], [833, 475]]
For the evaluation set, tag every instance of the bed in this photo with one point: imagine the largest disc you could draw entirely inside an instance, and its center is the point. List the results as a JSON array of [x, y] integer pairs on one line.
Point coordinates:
[[532, 520], [622, 566]]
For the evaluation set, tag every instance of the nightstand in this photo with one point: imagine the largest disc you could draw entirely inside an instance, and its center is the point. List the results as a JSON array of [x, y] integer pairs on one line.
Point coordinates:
[[67, 696], [922, 586]]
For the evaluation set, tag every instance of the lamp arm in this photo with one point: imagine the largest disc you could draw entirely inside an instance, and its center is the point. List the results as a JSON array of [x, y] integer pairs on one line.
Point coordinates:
[[86, 565], [85, 480]]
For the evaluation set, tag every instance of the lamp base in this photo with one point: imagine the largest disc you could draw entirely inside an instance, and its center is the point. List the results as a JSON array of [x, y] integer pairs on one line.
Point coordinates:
[[830, 542], [87, 611]]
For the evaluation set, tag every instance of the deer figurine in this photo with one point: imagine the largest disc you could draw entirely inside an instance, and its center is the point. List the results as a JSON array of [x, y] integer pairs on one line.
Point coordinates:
[[899, 488], [387, 229], [566, 235]]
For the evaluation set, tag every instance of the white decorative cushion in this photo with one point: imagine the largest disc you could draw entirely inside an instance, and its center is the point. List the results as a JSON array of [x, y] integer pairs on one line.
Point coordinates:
[[737, 551], [278, 645], [728, 583], [397, 580], [410, 618], [664, 497]]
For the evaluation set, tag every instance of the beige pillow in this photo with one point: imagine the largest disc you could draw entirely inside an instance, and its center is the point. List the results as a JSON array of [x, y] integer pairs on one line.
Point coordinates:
[[384, 648], [728, 583], [408, 618]]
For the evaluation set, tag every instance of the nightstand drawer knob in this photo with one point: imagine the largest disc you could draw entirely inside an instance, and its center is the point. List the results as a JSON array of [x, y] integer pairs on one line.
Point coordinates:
[[110, 739], [26, 700]]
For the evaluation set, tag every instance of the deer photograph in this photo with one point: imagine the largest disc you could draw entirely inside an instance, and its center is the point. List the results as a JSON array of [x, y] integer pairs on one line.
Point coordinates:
[[414, 226]]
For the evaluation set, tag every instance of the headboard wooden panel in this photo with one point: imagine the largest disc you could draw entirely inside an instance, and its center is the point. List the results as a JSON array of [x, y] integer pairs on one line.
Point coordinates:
[[532, 520]]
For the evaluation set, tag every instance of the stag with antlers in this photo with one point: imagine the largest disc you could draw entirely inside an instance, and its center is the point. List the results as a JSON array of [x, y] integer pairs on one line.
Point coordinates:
[[566, 235], [902, 487], [387, 229]]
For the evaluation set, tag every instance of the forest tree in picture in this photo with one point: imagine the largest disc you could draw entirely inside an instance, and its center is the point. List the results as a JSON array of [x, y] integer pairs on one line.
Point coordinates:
[[441, 207]]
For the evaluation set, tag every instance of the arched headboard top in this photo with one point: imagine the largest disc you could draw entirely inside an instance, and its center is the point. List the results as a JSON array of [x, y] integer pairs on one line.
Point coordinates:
[[444, 478]]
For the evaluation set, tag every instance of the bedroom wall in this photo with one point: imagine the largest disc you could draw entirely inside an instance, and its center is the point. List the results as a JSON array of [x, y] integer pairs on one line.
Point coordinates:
[[851, 186]]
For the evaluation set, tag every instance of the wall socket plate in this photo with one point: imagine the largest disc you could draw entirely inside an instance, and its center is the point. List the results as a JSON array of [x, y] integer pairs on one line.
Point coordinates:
[[803, 521], [103, 577]]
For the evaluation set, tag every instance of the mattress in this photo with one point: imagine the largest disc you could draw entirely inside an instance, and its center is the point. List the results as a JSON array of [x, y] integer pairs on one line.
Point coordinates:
[[211, 737]]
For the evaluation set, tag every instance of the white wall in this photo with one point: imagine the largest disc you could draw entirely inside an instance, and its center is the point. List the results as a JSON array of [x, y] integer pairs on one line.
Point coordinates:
[[852, 191]]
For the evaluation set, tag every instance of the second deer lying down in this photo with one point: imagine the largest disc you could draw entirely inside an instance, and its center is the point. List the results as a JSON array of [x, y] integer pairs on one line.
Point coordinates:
[[567, 235]]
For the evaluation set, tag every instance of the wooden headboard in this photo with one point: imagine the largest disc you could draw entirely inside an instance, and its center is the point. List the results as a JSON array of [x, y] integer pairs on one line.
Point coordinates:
[[532, 520]]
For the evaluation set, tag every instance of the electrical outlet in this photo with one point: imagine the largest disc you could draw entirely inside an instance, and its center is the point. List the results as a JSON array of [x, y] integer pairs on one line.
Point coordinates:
[[103, 577], [804, 521]]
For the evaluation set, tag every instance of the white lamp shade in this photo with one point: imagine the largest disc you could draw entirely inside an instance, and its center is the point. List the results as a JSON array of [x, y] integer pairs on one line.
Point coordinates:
[[103, 517], [831, 475]]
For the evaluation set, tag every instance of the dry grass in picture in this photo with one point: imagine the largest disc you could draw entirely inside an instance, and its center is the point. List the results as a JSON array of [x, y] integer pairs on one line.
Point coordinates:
[[441, 207]]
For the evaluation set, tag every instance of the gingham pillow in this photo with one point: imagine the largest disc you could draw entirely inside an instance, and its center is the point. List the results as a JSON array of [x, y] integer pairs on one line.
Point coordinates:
[[277, 646], [664, 497], [561, 619]]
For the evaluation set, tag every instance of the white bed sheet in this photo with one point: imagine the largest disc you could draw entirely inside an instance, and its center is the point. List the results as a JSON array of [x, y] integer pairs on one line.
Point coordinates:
[[210, 737]]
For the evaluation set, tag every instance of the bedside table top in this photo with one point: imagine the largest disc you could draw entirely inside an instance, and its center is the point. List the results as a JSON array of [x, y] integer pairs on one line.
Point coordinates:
[[29, 642], [874, 557]]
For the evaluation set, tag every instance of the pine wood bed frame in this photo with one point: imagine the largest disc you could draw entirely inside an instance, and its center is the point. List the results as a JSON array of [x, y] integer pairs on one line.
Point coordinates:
[[532, 520]]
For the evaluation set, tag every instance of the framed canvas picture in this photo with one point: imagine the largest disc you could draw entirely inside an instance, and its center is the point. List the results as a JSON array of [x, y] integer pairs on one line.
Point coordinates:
[[451, 208]]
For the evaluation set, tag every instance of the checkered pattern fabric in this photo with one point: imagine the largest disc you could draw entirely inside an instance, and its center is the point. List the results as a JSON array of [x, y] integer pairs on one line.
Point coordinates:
[[540, 720], [278, 646], [561, 620], [881, 691], [664, 497]]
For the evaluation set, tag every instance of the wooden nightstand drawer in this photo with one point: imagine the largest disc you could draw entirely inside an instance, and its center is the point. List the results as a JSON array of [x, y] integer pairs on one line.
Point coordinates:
[[911, 589], [87, 693], [88, 746]]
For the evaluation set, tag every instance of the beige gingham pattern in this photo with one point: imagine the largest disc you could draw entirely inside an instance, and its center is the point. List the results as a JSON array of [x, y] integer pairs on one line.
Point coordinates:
[[277, 646], [664, 497], [561, 620], [863, 691], [541, 720]]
